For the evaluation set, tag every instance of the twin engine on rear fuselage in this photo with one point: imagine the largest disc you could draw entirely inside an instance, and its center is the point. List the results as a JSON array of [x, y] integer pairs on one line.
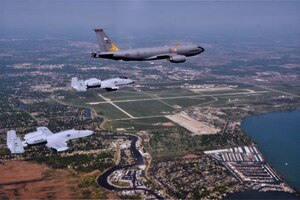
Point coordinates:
[[93, 83], [35, 138]]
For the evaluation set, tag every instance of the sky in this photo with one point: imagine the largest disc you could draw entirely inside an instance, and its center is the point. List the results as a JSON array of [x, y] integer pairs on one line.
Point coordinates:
[[127, 18]]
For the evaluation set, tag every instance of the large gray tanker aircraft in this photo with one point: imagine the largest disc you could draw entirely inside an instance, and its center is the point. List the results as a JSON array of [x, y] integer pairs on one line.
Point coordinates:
[[175, 54]]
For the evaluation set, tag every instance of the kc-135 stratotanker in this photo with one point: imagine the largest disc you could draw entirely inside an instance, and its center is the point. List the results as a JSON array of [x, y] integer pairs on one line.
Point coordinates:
[[175, 54]]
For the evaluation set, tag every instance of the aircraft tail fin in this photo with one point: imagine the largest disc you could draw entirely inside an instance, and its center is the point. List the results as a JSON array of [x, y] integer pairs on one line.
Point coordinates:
[[105, 44], [14, 143], [78, 85]]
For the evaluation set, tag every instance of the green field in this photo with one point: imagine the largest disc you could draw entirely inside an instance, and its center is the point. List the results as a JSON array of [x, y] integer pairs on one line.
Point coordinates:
[[246, 98], [224, 91], [145, 108], [125, 94], [148, 111], [109, 111], [139, 124], [80, 98], [173, 92], [187, 102]]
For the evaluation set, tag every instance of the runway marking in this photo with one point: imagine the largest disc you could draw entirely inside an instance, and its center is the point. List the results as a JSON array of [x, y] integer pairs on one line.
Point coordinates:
[[275, 90], [180, 97], [109, 101], [156, 97], [145, 117]]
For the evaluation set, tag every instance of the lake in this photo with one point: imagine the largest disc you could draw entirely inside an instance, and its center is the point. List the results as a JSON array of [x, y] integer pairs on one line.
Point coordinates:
[[278, 137]]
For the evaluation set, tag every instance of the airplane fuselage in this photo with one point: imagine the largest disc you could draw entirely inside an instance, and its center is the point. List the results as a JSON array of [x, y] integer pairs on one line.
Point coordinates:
[[43, 135], [41, 138], [173, 53], [108, 84]]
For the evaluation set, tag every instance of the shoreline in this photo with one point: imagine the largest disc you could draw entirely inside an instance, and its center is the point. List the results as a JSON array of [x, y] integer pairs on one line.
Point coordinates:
[[256, 143], [254, 194]]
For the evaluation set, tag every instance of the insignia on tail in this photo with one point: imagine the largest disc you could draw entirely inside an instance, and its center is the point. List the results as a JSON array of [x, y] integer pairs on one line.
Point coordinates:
[[105, 44]]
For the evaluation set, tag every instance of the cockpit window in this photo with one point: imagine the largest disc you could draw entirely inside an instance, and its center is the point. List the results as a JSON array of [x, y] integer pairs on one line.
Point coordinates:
[[123, 77]]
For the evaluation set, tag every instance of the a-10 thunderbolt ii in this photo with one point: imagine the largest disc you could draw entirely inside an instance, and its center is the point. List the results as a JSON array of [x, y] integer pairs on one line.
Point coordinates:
[[175, 54], [109, 84], [43, 135]]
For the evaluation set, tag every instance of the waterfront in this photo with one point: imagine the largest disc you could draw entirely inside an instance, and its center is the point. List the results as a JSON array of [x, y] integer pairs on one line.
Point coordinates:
[[260, 195], [103, 179], [277, 135]]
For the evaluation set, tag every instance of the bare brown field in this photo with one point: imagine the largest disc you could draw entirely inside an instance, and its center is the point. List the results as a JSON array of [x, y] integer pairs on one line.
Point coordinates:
[[28, 180]]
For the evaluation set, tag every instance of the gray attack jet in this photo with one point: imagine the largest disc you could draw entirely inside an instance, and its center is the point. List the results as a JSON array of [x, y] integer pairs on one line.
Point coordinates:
[[43, 135], [109, 84], [175, 54]]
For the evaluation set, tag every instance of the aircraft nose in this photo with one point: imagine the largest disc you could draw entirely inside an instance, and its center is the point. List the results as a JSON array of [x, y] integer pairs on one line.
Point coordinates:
[[201, 49], [88, 132]]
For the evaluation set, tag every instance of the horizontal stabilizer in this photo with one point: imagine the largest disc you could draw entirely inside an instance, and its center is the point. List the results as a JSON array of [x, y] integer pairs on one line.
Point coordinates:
[[14, 143]]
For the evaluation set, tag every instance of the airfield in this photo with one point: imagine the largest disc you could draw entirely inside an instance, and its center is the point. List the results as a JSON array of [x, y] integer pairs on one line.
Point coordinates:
[[143, 107]]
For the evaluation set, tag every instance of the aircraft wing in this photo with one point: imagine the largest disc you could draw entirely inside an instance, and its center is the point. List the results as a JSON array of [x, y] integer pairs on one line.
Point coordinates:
[[109, 85], [57, 143], [44, 130], [14, 143], [161, 56]]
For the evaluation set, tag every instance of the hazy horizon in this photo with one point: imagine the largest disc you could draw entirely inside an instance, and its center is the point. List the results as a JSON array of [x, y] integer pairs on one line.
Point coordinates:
[[206, 20]]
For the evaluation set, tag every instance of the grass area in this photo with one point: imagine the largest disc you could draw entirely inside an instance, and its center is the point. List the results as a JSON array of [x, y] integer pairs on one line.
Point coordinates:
[[108, 111], [121, 183], [247, 98], [145, 108], [80, 98], [294, 89], [173, 92], [80, 162], [172, 142], [251, 87], [226, 100], [120, 93], [224, 91], [187, 102], [139, 124], [129, 97]]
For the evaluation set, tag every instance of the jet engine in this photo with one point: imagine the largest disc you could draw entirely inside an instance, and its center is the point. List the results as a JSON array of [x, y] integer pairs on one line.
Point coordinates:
[[94, 55], [112, 89], [93, 83], [177, 59], [35, 137]]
